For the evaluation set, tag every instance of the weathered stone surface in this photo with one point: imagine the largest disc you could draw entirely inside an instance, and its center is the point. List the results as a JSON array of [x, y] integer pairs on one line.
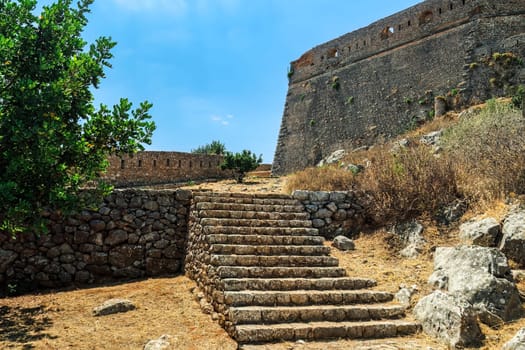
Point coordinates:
[[162, 343], [6, 258], [125, 255], [482, 232], [113, 306], [432, 139], [334, 157], [449, 318], [404, 295], [343, 243], [116, 237], [516, 343], [513, 241], [482, 276], [410, 234]]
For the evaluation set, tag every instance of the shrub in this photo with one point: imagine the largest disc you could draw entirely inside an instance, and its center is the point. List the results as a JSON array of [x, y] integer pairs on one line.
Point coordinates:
[[407, 183], [488, 149], [215, 147], [241, 163]]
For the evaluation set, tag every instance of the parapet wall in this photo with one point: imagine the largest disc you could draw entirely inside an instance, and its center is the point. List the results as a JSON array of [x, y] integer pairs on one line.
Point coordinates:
[[376, 82], [163, 167]]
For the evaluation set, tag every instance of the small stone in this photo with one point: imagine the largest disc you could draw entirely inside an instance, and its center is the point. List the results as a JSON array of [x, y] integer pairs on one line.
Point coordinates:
[[343, 243], [115, 237], [113, 306], [159, 344]]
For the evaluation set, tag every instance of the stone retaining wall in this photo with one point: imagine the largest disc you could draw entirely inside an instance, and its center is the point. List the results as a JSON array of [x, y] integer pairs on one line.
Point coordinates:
[[138, 233], [334, 213], [133, 234]]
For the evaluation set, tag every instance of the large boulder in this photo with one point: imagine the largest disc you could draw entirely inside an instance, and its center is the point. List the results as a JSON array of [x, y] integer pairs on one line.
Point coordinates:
[[516, 343], [483, 232], [482, 276], [410, 233], [333, 158], [449, 318], [513, 241]]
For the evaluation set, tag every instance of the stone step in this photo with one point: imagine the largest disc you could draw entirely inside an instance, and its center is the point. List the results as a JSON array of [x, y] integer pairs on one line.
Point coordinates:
[[303, 297], [278, 272], [271, 231], [246, 200], [330, 313], [261, 240], [291, 284], [324, 330], [269, 249], [254, 222], [257, 215], [273, 261], [240, 195], [250, 207]]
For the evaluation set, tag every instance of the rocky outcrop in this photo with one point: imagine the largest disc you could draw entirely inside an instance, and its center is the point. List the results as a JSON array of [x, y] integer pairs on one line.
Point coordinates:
[[483, 232], [516, 343], [333, 158], [513, 241], [482, 277], [449, 318], [410, 234]]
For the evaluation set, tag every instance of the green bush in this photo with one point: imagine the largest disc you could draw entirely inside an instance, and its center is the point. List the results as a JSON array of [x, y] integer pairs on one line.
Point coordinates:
[[241, 163], [53, 141], [215, 147]]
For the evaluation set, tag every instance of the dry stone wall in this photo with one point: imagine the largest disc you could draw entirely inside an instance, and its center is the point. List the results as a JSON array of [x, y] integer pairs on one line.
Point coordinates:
[[334, 213], [147, 168], [379, 81], [134, 233]]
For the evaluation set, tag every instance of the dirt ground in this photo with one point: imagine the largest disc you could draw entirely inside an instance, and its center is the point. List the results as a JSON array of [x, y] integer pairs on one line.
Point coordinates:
[[63, 319]]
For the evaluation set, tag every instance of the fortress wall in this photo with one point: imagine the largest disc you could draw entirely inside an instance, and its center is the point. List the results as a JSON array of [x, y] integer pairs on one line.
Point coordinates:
[[163, 167], [379, 81]]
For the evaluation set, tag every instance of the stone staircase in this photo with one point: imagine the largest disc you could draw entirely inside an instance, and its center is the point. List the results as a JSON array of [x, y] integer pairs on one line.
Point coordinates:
[[269, 277]]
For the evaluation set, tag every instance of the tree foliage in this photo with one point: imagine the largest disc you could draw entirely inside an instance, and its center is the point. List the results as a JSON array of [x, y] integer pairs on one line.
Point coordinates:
[[215, 147], [241, 163], [52, 138]]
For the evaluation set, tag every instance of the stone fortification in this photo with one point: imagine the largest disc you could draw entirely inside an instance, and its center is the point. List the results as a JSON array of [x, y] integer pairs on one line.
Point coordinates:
[[378, 81], [147, 168]]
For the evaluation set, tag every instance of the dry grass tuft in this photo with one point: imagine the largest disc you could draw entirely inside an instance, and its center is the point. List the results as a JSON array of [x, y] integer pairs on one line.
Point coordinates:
[[327, 178]]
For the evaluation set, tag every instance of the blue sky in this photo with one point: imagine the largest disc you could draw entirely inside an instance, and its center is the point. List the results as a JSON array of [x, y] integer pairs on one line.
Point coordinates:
[[216, 69]]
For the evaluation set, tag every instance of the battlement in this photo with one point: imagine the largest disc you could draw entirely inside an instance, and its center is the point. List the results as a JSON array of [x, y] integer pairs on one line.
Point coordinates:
[[415, 23], [378, 81], [151, 167]]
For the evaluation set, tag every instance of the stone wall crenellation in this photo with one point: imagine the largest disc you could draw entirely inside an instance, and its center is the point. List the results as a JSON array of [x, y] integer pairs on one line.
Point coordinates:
[[376, 82], [155, 167]]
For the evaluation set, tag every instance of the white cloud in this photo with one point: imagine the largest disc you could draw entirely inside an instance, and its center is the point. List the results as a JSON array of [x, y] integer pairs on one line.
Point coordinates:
[[176, 7], [222, 120]]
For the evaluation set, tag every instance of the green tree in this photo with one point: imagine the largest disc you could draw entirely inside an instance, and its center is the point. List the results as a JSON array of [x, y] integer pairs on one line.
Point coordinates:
[[241, 163], [215, 147], [52, 139]]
